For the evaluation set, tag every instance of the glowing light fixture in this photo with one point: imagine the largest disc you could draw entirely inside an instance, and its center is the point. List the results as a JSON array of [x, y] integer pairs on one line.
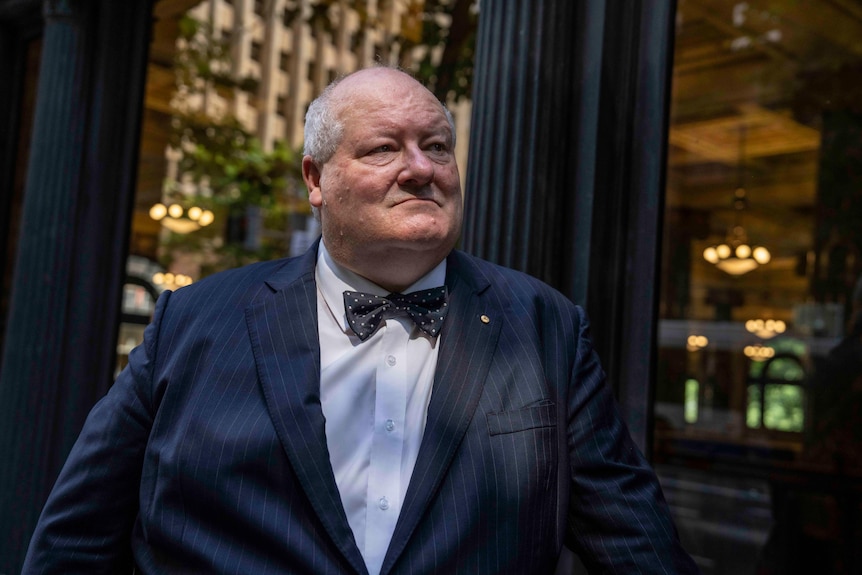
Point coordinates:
[[180, 220], [696, 342], [758, 352], [171, 281], [736, 256], [765, 328]]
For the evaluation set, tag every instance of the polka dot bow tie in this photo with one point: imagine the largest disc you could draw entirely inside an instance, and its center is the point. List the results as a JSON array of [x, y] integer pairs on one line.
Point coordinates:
[[427, 308]]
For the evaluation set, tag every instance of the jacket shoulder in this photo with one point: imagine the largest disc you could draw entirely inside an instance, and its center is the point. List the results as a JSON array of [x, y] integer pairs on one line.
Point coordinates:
[[511, 284], [238, 286]]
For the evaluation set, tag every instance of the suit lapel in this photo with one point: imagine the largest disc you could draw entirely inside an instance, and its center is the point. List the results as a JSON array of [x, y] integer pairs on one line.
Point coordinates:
[[283, 329], [468, 345]]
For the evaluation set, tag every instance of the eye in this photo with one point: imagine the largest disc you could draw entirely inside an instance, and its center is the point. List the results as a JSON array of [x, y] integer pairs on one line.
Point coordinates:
[[381, 149], [437, 148]]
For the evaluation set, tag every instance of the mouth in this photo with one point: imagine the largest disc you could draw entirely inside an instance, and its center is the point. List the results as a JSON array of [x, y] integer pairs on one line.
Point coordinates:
[[414, 199]]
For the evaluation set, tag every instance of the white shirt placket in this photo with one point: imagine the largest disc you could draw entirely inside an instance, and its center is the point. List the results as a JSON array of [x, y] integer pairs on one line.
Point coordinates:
[[387, 446]]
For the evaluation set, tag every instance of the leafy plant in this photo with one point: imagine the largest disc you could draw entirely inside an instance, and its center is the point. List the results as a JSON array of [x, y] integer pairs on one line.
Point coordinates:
[[222, 166], [442, 33]]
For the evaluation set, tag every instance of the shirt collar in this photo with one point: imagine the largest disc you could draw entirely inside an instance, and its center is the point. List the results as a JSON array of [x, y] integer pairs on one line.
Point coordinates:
[[334, 279]]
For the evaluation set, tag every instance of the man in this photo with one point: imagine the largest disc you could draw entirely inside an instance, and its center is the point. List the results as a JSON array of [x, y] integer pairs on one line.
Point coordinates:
[[276, 421]]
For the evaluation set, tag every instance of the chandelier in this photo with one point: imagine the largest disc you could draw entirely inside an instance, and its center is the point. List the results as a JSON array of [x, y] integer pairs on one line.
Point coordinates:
[[736, 255], [181, 220], [171, 281], [765, 328], [696, 342], [758, 352]]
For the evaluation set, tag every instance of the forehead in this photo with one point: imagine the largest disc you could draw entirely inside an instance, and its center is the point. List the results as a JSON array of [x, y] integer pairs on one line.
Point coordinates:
[[385, 99]]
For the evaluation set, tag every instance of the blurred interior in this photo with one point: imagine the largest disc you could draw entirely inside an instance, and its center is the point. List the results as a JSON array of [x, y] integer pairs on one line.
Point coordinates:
[[757, 435]]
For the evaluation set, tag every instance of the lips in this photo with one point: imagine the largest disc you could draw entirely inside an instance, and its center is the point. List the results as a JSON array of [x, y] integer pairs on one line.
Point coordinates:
[[418, 199]]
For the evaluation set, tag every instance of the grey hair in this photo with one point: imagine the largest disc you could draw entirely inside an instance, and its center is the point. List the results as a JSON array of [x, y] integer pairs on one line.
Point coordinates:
[[323, 130], [451, 121]]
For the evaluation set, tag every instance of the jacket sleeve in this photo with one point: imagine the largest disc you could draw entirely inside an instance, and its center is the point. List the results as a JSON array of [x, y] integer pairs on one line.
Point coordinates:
[[86, 524], [619, 521]]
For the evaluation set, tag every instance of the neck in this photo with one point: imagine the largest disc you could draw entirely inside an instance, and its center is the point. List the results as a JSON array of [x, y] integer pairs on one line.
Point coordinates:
[[394, 271]]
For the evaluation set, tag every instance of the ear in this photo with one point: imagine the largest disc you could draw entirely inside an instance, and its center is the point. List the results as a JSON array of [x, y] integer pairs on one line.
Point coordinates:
[[311, 176]]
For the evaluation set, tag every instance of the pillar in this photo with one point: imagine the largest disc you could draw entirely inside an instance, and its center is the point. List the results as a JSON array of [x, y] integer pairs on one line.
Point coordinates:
[[566, 173], [60, 343]]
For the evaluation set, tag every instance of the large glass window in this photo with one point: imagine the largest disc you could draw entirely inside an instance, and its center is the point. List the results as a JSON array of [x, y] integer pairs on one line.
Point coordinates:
[[758, 408]]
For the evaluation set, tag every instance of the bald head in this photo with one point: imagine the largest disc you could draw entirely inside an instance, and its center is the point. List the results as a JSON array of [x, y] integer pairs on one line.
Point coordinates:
[[324, 125]]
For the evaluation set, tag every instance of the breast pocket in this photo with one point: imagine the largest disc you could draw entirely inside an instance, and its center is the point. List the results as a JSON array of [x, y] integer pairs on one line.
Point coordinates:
[[534, 417], [523, 454]]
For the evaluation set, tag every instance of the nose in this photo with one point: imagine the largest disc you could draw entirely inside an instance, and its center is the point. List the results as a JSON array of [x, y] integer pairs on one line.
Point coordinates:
[[418, 169]]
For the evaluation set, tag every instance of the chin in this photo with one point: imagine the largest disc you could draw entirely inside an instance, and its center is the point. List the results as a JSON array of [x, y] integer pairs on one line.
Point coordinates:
[[435, 241]]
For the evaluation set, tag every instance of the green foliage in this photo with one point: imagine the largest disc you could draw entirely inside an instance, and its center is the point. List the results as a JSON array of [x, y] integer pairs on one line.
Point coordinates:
[[786, 366], [448, 34], [783, 410], [752, 412], [231, 164], [444, 31], [202, 59], [692, 391], [223, 166], [781, 404]]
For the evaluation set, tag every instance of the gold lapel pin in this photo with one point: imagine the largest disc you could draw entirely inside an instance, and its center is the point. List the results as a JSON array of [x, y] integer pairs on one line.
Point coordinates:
[[484, 318]]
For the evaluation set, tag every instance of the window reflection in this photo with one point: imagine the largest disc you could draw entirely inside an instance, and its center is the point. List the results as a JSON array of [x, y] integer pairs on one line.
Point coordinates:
[[762, 256], [140, 292]]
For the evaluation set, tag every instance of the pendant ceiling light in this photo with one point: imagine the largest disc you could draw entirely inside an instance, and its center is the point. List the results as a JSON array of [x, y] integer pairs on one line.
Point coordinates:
[[736, 255], [180, 220]]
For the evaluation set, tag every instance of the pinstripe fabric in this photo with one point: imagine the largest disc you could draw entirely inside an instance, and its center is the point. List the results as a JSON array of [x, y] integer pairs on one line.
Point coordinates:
[[210, 452]]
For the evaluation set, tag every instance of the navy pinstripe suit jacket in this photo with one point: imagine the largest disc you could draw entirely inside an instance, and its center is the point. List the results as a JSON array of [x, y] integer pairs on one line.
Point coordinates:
[[208, 455]]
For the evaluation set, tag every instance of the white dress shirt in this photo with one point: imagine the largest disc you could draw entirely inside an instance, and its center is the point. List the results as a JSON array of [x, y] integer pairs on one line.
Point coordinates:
[[374, 395]]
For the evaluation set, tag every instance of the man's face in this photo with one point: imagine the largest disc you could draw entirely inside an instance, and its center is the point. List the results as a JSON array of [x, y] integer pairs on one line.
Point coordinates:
[[393, 182]]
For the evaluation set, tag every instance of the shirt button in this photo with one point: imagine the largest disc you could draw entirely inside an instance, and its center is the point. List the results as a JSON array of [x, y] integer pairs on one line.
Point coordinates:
[[389, 425], [390, 359], [383, 503]]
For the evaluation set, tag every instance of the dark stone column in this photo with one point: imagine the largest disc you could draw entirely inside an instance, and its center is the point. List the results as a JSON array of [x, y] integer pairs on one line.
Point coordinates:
[[625, 245], [37, 324], [566, 170], [61, 334], [524, 138]]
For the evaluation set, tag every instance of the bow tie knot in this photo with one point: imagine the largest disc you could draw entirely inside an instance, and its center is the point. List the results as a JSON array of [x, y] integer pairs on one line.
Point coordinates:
[[427, 308]]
